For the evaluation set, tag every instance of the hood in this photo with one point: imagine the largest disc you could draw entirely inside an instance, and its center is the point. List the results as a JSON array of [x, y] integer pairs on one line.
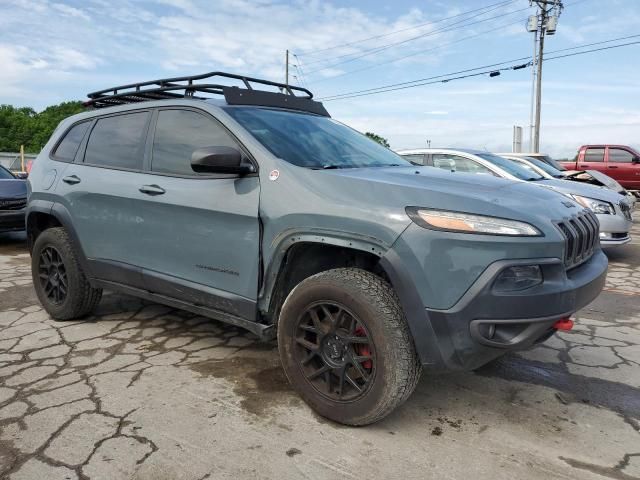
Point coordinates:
[[595, 178], [582, 189], [398, 187], [13, 188]]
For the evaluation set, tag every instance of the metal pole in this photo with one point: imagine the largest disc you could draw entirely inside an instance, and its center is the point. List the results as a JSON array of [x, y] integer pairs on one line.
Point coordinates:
[[22, 158], [536, 133], [286, 70], [533, 88]]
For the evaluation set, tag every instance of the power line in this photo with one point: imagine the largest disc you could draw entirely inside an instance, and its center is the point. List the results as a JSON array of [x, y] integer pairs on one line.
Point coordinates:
[[368, 67], [313, 52], [485, 66], [448, 28], [425, 81], [413, 54]]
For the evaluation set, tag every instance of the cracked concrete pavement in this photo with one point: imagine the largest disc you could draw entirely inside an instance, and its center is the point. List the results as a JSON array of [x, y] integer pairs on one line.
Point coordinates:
[[147, 392]]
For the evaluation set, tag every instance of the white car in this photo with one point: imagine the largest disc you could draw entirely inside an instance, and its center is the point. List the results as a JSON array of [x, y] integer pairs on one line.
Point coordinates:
[[612, 209]]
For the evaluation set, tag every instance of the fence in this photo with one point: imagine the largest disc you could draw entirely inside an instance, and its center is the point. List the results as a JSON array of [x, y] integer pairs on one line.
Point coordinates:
[[13, 162]]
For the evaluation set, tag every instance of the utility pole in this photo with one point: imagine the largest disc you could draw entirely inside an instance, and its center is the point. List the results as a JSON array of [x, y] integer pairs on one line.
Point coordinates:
[[532, 110], [286, 71], [546, 23]]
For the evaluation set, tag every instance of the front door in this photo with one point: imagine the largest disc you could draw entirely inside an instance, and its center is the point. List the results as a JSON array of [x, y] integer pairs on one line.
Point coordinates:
[[202, 232], [621, 166]]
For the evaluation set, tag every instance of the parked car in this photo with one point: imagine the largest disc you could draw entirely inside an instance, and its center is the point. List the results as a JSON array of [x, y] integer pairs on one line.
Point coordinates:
[[13, 201], [591, 177], [620, 162], [260, 210], [612, 209]]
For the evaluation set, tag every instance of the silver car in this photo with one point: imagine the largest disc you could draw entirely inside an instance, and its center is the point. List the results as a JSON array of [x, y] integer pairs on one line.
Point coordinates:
[[592, 177], [612, 209]]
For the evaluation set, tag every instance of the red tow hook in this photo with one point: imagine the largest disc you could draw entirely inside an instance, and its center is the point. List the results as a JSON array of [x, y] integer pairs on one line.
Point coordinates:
[[564, 324]]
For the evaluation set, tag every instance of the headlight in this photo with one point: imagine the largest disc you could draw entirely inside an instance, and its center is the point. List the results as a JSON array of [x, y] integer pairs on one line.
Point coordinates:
[[596, 206], [470, 223]]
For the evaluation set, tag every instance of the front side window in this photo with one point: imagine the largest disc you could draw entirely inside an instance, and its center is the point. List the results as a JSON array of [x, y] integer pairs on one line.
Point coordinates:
[[118, 141], [456, 163], [178, 134], [594, 155], [68, 147], [313, 141], [618, 155]]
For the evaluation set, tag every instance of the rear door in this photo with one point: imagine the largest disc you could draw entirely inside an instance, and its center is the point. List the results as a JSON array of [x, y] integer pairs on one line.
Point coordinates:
[[201, 231], [593, 159], [621, 167], [100, 192]]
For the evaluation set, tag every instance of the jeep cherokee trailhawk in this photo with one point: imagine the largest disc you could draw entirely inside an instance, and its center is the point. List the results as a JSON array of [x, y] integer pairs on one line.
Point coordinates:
[[255, 208]]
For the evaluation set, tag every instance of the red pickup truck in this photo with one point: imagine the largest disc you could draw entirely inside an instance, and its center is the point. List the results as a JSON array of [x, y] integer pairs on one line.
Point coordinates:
[[620, 162]]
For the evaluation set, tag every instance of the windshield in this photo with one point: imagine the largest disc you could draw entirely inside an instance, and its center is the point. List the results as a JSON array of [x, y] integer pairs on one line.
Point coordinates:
[[554, 172], [511, 167], [5, 174], [313, 141], [550, 161]]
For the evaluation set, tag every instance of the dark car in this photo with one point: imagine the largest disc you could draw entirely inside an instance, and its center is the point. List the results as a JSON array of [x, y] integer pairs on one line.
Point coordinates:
[[13, 201]]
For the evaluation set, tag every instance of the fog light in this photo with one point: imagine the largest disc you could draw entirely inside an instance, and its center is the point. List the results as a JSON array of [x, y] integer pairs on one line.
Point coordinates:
[[518, 277]]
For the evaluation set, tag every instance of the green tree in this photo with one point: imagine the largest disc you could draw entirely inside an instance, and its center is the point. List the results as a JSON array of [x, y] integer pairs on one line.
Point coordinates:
[[377, 138], [24, 126]]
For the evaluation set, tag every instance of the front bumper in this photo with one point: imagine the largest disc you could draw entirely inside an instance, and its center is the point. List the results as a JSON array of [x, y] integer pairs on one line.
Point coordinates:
[[485, 324], [614, 229], [12, 220]]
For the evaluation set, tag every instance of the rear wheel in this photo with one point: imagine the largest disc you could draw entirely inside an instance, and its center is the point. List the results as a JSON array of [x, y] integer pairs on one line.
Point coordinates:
[[345, 346], [60, 283]]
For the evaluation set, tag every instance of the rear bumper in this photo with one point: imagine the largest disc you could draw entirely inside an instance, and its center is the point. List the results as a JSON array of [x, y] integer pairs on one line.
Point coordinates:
[[485, 324], [12, 220]]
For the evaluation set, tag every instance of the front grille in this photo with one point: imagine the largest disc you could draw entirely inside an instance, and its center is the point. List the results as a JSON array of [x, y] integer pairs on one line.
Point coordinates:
[[581, 237], [626, 209], [13, 204]]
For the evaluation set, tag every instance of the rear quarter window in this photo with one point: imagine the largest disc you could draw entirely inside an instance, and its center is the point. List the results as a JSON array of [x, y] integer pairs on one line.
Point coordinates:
[[68, 146], [118, 141]]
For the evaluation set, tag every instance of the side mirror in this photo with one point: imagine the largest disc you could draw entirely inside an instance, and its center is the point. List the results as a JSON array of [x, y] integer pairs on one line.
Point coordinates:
[[21, 175], [220, 160], [635, 160]]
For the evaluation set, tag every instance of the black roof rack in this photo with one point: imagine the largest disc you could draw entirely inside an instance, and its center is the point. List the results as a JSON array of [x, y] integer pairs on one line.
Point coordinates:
[[293, 97]]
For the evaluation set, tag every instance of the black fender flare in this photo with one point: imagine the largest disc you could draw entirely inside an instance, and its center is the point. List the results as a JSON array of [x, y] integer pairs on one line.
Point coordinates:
[[63, 216], [289, 238]]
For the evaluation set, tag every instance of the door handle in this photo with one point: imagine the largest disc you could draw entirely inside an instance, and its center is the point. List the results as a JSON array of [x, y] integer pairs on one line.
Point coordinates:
[[152, 189], [71, 179], [613, 166]]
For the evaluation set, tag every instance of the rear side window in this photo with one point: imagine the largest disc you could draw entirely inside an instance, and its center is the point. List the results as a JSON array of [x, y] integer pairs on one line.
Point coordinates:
[[594, 155], [118, 142], [68, 147], [620, 156], [178, 134]]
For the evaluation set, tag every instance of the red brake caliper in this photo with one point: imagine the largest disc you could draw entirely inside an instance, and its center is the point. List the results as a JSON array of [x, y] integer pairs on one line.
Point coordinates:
[[363, 350]]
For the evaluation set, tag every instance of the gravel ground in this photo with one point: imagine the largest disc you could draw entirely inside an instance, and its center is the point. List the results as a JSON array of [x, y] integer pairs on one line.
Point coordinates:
[[146, 392]]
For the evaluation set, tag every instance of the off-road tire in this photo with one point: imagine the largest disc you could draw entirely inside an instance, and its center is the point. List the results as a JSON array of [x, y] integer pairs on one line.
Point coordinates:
[[376, 304], [81, 297]]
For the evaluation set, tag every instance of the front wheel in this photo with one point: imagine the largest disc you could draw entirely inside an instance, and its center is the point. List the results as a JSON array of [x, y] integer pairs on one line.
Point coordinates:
[[346, 347]]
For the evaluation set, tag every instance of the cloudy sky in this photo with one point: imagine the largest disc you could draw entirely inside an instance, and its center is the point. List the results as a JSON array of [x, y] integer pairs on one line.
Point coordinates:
[[55, 50]]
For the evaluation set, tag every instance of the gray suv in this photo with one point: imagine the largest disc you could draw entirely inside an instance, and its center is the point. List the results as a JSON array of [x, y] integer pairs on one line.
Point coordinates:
[[255, 208]]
